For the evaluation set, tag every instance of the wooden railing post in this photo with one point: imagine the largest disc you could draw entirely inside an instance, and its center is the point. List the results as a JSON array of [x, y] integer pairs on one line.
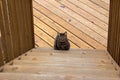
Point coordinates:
[[1, 53], [16, 25], [114, 30]]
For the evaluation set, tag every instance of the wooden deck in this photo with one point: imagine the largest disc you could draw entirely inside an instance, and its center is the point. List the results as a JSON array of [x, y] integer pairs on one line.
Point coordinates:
[[86, 22], [49, 64]]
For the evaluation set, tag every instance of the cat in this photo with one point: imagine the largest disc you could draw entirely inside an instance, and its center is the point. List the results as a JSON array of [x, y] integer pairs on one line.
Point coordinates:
[[61, 42]]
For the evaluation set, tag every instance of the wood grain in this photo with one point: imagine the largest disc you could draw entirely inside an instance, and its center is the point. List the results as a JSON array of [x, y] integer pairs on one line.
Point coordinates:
[[16, 27], [114, 31], [59, 28], [43, 76], [74, 62], [67, 26], [1, 48]]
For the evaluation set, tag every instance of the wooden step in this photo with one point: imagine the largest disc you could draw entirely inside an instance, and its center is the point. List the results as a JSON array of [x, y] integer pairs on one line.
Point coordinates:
[[65, 64], [69, 59], [24, 76], [78, 64], [81, 53], [60, 70], [77, 55], [97, 51]]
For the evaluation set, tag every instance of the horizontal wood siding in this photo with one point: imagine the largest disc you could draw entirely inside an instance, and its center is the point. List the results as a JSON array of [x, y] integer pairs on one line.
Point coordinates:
[[114, 30], [16, 27]]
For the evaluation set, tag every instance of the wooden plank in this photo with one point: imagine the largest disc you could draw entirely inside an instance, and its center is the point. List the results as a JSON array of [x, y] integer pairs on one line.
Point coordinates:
[[65, 64], [86, 15], [13, 28], [82, 20], [106, 1], [26, 25], [80, 55], [68, 58], [58, 70], [52, 33], [96, 7], [117, 67], [40, 42], [11, 39], [27, 76], [1, 51], [114, 31], [45, 27], [74, 22], [30, 28], [6, 32], [90, 10], [1, 48], [48, 38], [71, 52], [101, 4], [59, 28], [84, 51], [71, 28], [44, 36]]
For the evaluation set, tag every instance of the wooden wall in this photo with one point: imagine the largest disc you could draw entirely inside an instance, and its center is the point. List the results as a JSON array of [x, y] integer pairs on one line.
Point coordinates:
[[16, 25], [114, 30], [1, 26], [1, 57]]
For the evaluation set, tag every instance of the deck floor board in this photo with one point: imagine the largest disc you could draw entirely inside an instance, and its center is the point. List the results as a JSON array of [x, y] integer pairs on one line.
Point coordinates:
[[85, 21]]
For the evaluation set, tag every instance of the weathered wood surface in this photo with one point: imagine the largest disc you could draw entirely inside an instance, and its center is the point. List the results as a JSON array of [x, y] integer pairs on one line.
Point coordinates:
[[114, 31], [1, 50], [40, 42], [84, 22], [5, 32], [76, 63], [1, 53], [16, 25], [102, 4], [23, 76]]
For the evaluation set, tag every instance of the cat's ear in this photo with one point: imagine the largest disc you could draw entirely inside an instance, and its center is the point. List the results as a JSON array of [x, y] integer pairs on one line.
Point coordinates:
[[65, 33], [58, 33]]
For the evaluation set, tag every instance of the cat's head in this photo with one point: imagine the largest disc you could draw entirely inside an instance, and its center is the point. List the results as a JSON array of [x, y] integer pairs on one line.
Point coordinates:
[[62, 36]]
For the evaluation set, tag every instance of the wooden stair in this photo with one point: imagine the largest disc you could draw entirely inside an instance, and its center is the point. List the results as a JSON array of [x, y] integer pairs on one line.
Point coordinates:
[[49, 64]]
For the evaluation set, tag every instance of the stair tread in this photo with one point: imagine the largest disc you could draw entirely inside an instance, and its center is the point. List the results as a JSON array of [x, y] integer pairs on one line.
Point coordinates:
[[66, 59], [62, 63], [61, 70], [58, 66], [97, 51], [28, 76], [78, 63], [67, 54]]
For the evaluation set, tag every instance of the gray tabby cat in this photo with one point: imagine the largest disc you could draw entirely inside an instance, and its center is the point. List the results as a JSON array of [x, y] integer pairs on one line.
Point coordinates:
[[61, 42]]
